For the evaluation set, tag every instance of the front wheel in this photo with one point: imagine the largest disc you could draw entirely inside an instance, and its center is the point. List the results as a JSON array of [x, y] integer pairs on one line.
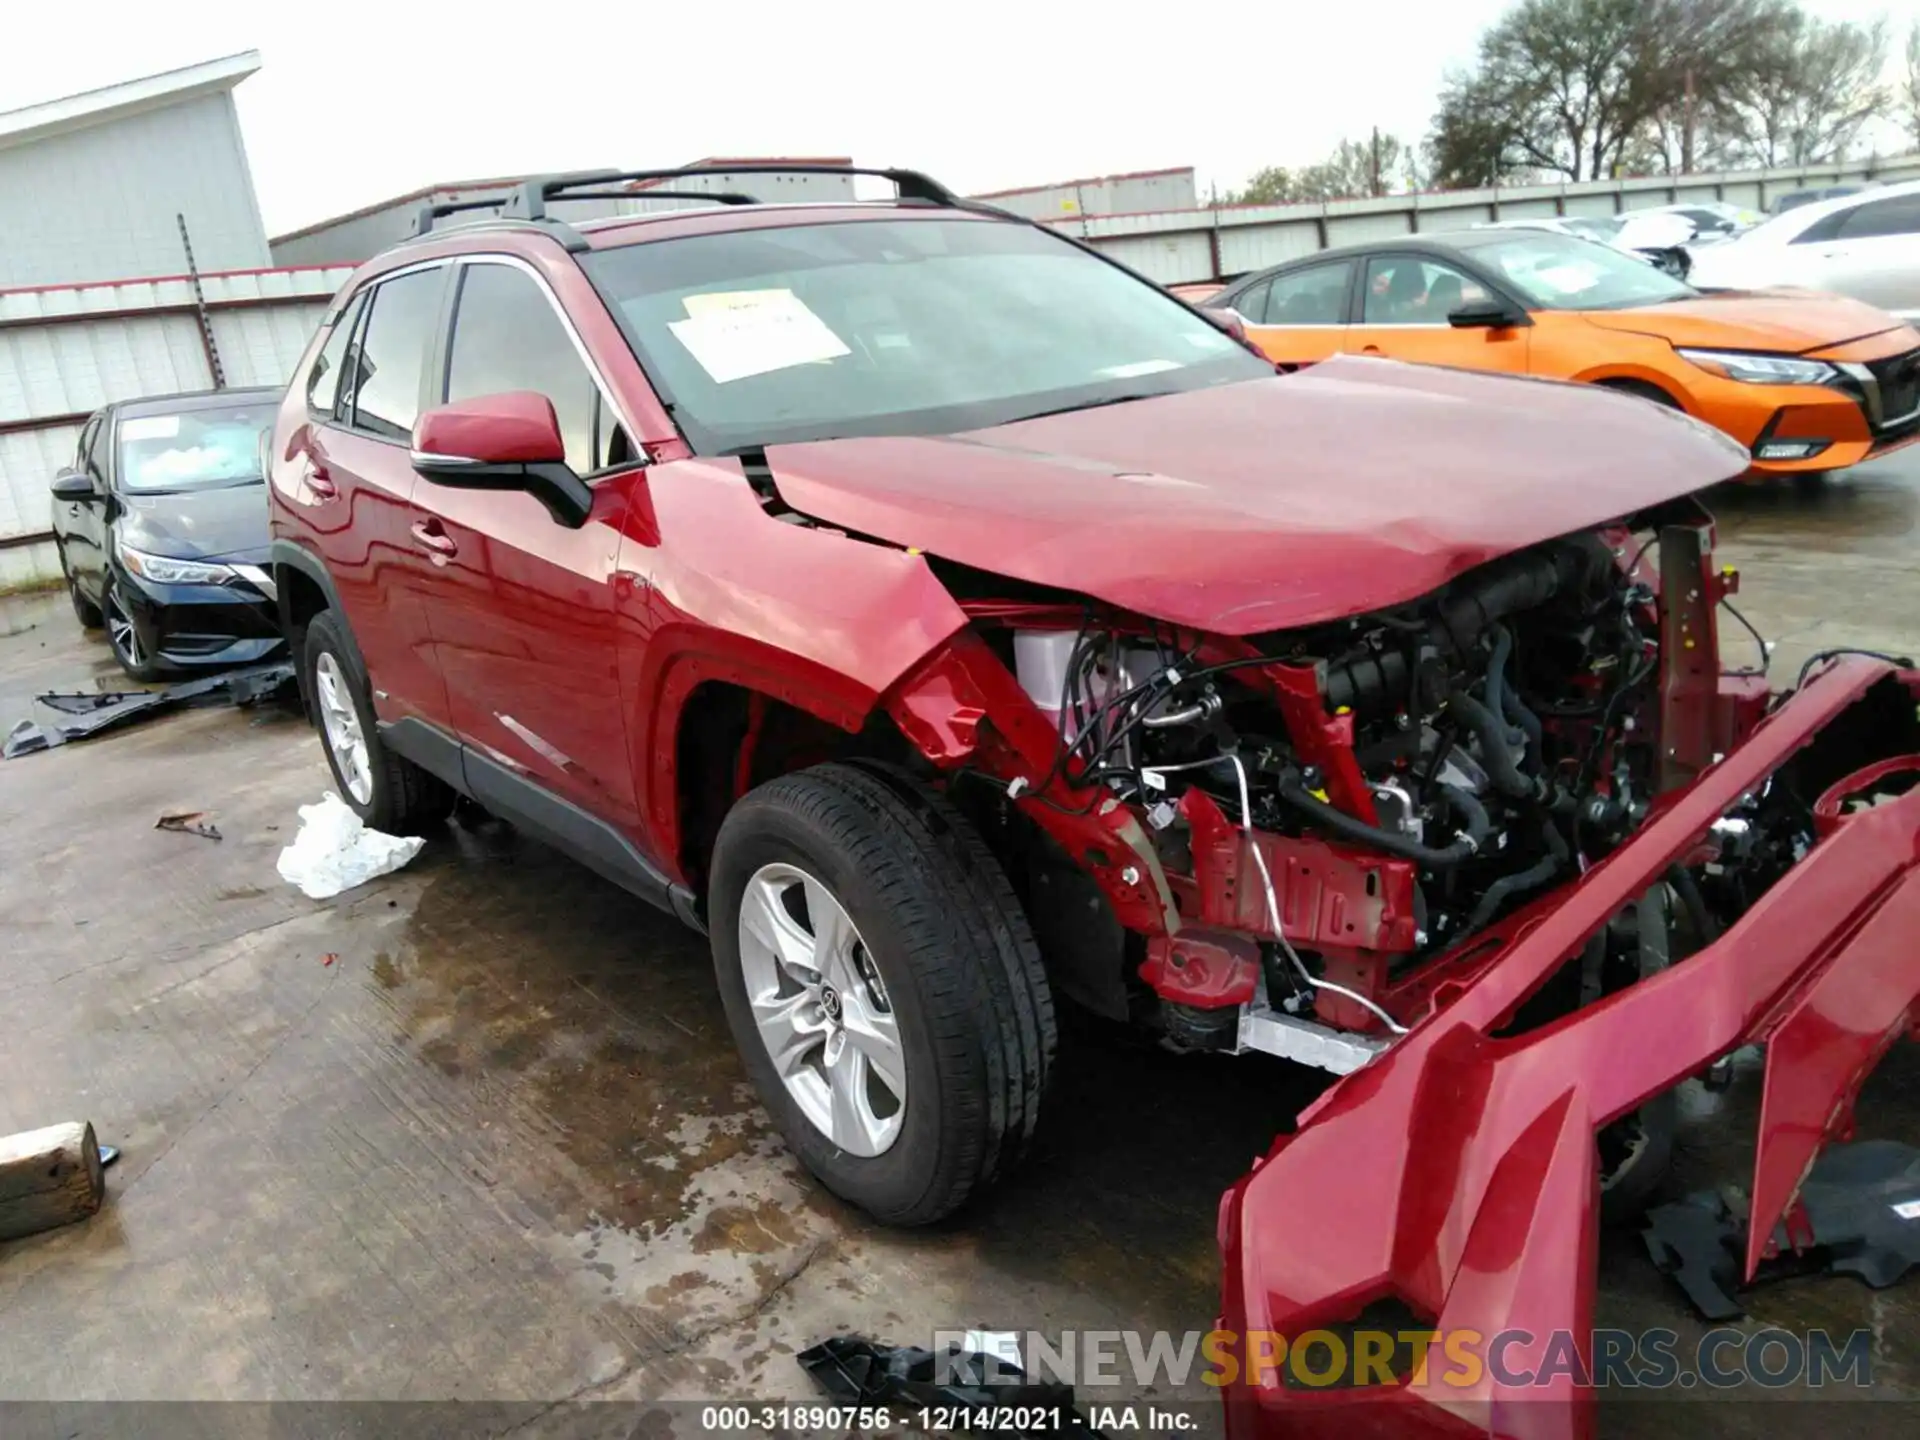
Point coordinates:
[[129, 646], [387, 791], [84, 610], [883, 987]]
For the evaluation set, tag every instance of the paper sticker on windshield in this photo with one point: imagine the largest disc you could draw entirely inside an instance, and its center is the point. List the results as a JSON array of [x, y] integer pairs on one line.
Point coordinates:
[[1138, 367], [1568, 279], [737, 333], [150, 427]]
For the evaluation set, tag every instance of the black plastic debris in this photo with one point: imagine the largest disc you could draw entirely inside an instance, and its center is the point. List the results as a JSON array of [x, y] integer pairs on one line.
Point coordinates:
[[1862, 1208], [955, 1381], [189, 822], [83, 714]]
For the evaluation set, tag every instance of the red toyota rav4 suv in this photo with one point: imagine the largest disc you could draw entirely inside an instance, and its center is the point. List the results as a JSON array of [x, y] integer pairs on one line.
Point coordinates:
[[945, 618]]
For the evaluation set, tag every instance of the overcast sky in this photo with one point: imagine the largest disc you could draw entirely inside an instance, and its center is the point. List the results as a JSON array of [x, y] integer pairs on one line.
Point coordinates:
[[360, 100]]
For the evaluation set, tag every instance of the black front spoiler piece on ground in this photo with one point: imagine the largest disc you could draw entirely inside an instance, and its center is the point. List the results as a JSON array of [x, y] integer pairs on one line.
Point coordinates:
[[84, 715]]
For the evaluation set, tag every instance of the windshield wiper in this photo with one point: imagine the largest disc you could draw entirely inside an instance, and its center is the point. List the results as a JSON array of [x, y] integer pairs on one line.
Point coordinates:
[[1089, 405]]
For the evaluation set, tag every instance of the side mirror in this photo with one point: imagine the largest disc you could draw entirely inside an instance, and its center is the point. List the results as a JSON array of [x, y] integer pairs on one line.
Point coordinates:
[[509, 441], [1234, 324], [75, 486], [1231, 321], [1488, 314]]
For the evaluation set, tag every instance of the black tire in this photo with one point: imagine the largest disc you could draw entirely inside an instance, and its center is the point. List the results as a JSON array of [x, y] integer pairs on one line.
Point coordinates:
[[84, 610], [958, 962], [126, 644], [1633, 1186], [1636, 1151], [404, 799]]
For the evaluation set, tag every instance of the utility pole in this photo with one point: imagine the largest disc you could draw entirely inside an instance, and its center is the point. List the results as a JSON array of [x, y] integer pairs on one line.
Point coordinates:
[[1374, 188], [1686, 125]]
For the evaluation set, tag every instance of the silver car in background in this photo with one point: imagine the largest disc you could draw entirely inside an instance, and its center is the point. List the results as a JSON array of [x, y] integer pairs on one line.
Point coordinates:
[[1865, 245]]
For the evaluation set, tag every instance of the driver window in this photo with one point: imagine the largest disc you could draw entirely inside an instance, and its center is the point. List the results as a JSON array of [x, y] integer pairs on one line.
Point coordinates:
[[507, 337], [1405, 290]]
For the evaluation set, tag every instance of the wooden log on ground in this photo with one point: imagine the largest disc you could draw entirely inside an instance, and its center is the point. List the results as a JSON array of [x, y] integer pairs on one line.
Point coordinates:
[[48, 1177]]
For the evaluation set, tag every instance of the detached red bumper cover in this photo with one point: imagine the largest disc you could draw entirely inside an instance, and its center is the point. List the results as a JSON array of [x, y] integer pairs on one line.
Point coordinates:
[[1457, 1175]]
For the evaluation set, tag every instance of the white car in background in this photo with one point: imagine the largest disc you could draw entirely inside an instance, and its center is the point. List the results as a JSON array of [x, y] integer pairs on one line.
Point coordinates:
[[1657, 237], [1866, 246]]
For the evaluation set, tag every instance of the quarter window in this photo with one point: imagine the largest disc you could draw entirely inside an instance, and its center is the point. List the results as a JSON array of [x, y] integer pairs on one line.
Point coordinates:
[[323, 381], [385, 365], [506, 336], [1314, 296], [1250, 304]]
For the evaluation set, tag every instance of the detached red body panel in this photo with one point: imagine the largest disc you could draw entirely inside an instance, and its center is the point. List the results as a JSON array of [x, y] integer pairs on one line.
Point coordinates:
[[1457, 1174]]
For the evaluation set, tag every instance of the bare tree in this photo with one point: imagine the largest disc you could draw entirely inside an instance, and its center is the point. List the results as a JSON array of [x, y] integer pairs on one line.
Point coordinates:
[[1475, 141], [1910, 90], [1806, 96], [1579, 87], [1273, 185], [1376, 166]]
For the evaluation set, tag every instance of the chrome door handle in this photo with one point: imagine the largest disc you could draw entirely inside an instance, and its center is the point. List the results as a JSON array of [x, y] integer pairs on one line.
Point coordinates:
[[442, 545]]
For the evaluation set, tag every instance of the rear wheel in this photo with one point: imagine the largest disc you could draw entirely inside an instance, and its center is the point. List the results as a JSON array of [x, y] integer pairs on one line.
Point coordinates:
[[386, 791], [883, 987]]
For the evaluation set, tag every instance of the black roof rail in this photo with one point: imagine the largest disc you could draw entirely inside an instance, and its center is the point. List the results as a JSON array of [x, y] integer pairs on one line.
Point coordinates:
[[529, 202], [716, 197], [424, 217]]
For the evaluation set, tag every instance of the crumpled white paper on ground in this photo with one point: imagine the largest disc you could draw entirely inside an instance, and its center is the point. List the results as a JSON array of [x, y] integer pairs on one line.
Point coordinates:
[[335, 851]]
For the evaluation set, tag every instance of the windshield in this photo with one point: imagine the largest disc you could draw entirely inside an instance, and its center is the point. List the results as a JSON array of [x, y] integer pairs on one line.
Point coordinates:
[[1593, 227], [897, 327], [193, 449], [1558, 272]]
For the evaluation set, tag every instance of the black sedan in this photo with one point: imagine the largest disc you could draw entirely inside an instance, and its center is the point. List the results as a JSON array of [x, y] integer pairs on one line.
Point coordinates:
[[161, 523]]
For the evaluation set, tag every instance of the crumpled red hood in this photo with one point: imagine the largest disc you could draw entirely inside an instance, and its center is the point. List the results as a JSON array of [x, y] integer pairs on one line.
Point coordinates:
[[1348, 487]]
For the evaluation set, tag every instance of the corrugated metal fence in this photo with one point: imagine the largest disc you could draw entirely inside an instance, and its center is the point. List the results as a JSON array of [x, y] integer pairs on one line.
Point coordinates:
[[1177, 246], [67, 350]]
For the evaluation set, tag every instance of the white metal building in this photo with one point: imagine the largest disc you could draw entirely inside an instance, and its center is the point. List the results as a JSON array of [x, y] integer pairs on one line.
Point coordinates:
[[93, 185], [361, 234], [1127, 194]]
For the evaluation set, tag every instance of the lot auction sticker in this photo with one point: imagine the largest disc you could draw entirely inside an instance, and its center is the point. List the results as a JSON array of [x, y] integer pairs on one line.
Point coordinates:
[[737, 333]]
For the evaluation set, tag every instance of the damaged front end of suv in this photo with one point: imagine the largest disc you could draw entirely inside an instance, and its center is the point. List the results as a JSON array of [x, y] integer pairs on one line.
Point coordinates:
[[1514, 858]]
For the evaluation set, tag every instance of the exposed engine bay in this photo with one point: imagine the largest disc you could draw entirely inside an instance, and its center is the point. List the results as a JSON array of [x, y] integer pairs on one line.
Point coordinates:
[[1334, 812]]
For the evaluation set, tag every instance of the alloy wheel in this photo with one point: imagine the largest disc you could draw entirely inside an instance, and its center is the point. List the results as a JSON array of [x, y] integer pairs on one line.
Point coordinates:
[[340, 719], [122, 633], [822, 1010]]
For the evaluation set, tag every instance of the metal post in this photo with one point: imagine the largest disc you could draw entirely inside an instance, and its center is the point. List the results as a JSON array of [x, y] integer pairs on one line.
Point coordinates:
[[200, 309]]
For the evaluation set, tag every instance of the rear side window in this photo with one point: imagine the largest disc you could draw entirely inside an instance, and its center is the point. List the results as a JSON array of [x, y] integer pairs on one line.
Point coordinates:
[[507, 337], [87, 432], [386, 364], [1827, 227], [1898, 216], [96, 452], [323, 381], [1314, 296]]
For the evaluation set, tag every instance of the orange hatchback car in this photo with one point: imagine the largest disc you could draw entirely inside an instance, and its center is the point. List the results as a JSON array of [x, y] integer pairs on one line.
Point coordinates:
[[1807, 382]]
